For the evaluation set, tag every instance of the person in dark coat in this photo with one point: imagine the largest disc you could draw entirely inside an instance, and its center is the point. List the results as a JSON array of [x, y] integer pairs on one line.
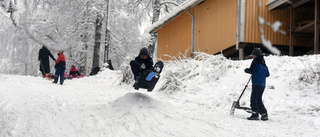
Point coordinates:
[[110, 64], [43, 57], [142, 62], [60, 68], [259, 72]]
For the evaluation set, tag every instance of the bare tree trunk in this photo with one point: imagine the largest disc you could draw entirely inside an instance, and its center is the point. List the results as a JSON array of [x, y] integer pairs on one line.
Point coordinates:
[[107, 35], [156, 14], [96, 50], [85, 37]]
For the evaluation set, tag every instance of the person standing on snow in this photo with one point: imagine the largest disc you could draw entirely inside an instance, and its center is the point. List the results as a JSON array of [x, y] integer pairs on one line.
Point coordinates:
[[110, 64], [142, 62], [60, 68], [43, 57], [259, 71]]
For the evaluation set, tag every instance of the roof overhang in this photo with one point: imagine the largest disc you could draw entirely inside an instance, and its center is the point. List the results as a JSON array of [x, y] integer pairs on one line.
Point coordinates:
[[165, 20], [277, 4]]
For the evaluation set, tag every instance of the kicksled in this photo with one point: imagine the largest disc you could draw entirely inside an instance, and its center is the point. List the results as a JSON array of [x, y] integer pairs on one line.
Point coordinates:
[[236, 104]]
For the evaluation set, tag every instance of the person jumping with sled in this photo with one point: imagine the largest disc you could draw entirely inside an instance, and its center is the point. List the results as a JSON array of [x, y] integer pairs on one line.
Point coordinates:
[[259, 72], [142, 62], [145, 74]]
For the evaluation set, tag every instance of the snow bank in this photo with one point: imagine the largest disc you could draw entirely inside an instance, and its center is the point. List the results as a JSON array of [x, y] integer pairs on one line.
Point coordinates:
[[192, 98], [294, 82]]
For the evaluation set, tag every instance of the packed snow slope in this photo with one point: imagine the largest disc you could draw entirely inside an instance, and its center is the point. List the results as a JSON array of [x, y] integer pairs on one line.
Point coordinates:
[[192, 99]]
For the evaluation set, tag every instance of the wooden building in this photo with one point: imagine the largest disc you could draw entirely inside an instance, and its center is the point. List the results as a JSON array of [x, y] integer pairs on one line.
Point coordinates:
[[227, 26], [304, 22]]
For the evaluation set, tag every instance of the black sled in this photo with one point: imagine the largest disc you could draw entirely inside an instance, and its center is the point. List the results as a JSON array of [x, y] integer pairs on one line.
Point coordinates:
[[236, 105], [149, 78]]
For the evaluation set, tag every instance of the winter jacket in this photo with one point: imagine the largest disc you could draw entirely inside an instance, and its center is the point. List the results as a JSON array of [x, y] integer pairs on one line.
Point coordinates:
[[148, 62], [259, 71], [61, 62], [43, 57]]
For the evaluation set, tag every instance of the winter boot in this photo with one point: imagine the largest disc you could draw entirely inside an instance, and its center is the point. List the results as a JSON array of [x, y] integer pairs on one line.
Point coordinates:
[[264, 117], [136, 80], [254, 116]]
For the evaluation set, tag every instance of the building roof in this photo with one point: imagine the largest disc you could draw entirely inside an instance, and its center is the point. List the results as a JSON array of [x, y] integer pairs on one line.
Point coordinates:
[[274, 4], [175, 13]]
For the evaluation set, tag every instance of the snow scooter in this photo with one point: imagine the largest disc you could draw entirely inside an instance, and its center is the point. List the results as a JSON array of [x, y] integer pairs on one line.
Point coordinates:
[[236, 105]]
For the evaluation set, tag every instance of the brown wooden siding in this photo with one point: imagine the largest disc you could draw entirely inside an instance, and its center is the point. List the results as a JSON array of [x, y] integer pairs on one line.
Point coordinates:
[[216, 28], [216, 25], [252, 34], [175, 37]]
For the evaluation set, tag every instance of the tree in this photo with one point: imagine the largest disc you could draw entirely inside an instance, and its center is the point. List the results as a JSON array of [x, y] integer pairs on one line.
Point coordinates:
[[59, 25]]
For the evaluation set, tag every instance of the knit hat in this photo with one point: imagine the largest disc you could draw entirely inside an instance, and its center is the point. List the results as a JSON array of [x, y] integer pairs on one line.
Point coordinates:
[[257, 52], [144, 51]]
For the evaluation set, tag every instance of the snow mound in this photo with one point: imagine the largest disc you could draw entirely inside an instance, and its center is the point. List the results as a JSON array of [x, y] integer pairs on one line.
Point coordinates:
[[190, 74], [135, 100]]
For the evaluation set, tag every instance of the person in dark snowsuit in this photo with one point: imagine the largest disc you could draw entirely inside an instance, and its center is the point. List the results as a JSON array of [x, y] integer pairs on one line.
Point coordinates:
[[259, 72], [60, 68], [43, 57], [110, 64], [142, 62]]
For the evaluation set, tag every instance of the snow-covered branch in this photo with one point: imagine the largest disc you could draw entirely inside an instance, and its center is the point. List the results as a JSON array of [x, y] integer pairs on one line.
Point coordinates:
[[275, 27]]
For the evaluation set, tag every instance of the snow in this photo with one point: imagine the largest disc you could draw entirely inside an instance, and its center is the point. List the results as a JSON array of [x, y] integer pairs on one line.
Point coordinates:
[[271, 1], [276, 25], [264, 41], [192, 98], [268, 45]]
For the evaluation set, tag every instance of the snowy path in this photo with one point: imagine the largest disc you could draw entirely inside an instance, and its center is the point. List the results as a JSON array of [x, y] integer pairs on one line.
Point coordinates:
[[99, 107]]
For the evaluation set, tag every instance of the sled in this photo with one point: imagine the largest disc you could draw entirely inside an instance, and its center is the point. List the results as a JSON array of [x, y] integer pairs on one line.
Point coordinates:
[[67, 76], [49, 76], [149, 78]]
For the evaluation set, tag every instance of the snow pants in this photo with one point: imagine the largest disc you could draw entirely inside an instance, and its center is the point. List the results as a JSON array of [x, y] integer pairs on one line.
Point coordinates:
[[59, 72], [256, 100]]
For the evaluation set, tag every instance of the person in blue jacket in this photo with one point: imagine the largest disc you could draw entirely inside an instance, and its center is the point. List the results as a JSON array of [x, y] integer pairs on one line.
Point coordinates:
[[142, 62], [259, 72]]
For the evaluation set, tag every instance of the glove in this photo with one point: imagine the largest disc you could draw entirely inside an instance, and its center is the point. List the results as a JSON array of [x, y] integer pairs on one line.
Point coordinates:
[[143, 66], [246, 70], [157, 69]]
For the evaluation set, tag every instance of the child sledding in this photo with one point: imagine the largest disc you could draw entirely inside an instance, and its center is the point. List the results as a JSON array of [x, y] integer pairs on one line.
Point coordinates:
[[145, 74], [73, 73]]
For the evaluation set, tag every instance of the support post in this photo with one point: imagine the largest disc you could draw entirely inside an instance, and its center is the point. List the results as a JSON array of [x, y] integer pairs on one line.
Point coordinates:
[[291, 42], [316, 30], [241, 53]]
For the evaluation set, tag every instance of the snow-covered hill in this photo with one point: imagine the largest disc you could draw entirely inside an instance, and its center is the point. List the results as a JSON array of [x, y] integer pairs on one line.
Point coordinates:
[[192, 98]]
